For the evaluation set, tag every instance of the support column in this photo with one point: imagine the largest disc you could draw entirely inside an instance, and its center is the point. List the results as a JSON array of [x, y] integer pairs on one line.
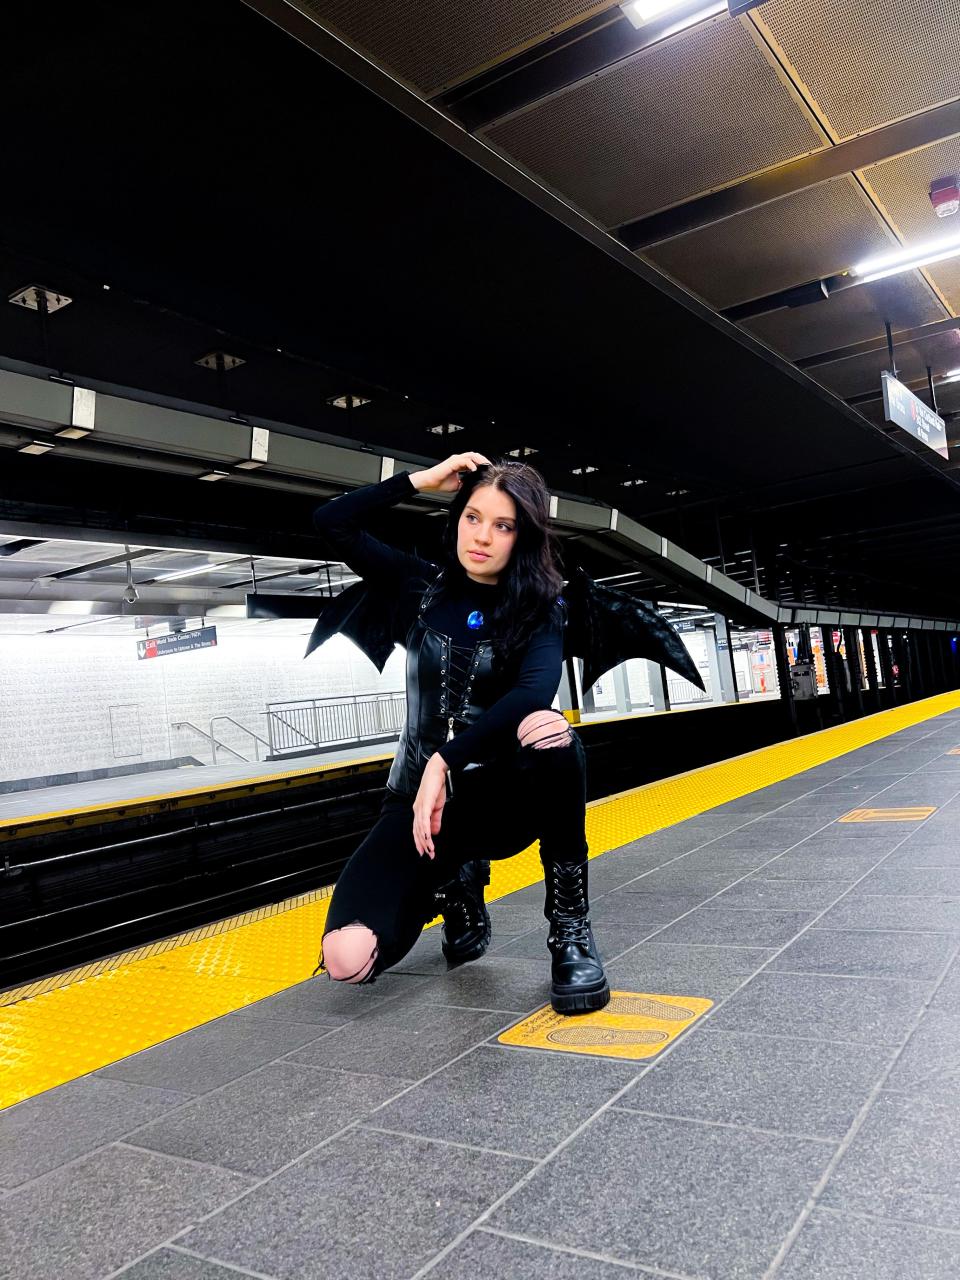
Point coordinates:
[[728, 673], [657, 676], [831, 660], [873, 681], [901, 655], [567, 695], [886, 668], [713, 664], [783, 675], [853, 665], [621, 689]]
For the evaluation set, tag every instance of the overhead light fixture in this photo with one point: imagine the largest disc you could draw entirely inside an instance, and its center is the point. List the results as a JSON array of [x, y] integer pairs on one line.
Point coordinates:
[[36, 447], [220, 361], [259, 450], [525, 451], [921, 255], [444, 429], [36, 297], [582, 471], [687, 12], [199, 568], [348, 402], [627, 484], [83, 414], [676, 493], [952, 376], [214, 475]]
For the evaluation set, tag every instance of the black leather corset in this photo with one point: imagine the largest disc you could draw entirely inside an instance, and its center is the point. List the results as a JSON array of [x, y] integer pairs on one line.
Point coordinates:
[[448, 688]]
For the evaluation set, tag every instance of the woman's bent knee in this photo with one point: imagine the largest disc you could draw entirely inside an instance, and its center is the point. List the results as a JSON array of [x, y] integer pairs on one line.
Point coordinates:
[[350, 953], [541, 729]]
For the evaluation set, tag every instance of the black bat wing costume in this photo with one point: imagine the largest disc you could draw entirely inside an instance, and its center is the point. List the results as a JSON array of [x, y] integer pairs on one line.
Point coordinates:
[[604, 627]]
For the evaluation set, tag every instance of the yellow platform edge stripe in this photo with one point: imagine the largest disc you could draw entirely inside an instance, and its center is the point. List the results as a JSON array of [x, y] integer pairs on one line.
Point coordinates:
[[73, 1023], [59, 819]]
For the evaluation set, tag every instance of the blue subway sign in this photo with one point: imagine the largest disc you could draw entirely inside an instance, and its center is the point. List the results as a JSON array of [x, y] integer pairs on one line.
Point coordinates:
[[181, 642]]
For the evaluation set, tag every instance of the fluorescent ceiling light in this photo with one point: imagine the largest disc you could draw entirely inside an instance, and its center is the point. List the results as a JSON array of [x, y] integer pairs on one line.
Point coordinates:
[[641, 12], [201, 568], [36, 447], [524, 451], [921, 255], [214, 475], [73, 433], [444, 428], [582, 471], [627, 484]]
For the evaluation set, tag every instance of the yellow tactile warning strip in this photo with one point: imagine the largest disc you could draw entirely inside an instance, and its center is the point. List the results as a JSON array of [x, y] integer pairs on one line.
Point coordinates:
[[633, 1025], [889, 815], [74, 1023]]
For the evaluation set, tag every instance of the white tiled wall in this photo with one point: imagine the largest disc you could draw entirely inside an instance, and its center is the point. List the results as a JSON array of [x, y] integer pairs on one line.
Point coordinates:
[[56, 694]]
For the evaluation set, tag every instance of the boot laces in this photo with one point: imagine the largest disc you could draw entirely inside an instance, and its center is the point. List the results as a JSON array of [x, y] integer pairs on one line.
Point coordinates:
[[461, 911], [570, 920]]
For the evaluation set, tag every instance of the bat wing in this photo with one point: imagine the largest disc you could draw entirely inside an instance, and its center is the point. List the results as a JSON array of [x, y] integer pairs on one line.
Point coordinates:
[[606, 626]]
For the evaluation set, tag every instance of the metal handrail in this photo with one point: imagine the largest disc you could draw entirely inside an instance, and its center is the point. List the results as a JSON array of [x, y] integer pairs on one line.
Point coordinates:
[[316, 722], [255, 736], [185, 724]]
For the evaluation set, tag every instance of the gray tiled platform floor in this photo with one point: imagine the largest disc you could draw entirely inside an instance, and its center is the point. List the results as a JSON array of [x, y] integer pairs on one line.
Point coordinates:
[[805, 1129]]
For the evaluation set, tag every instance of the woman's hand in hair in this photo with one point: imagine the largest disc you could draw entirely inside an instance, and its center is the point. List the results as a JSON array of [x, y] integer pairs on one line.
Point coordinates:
[[428, 805], [445, 476]]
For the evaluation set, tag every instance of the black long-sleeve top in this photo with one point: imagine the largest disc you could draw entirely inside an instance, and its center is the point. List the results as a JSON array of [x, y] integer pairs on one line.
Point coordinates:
[[340, 525]]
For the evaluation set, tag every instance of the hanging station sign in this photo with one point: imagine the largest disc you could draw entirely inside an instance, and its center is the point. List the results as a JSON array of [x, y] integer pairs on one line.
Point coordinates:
[[908, 411], [181, 642]]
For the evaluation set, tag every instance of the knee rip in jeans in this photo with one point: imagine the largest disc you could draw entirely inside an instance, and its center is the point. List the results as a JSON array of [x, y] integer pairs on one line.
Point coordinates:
[[353, 955], [542, 729]]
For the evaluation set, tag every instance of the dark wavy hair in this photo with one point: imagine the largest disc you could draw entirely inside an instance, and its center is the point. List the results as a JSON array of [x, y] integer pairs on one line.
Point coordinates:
[[532, 579]]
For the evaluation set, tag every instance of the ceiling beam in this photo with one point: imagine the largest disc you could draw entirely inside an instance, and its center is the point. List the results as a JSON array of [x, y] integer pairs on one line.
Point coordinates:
[[557, 63], [786, 179], [902, 338], [123, 558]]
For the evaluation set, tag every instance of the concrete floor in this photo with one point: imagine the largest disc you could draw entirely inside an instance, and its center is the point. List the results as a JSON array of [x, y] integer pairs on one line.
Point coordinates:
[[806, 1128]]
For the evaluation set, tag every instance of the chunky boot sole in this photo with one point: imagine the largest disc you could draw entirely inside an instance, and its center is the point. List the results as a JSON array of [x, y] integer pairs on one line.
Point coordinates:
[[580, 998]]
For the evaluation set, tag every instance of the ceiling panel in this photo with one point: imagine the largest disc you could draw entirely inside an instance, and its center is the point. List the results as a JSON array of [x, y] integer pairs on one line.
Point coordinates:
[[433, 44], [852, 377], [851, 316], [867, 62], [684, 116], [814, 233], [903, 187]]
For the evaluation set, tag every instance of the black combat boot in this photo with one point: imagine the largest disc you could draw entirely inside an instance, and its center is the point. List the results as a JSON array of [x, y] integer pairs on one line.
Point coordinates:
[[579, 984], [465, 932]]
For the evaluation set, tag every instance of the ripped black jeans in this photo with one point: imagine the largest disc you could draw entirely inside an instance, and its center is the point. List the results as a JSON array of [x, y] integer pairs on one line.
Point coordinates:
[[495, 812]]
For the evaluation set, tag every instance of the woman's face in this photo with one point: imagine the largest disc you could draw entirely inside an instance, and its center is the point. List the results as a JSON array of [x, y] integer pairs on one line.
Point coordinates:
[[486, 534]]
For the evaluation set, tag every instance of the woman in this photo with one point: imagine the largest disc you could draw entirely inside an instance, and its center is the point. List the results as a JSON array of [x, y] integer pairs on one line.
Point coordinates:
[[484, 767]]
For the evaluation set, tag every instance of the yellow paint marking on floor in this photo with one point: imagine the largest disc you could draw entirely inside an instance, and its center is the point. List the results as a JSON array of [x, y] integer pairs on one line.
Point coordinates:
[[190, 797], [954, 751], [916, 814], [74, 1023], [633, 1025]]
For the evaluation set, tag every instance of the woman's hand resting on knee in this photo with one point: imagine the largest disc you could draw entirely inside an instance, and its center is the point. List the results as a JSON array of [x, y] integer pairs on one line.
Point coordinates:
[[428, 805]]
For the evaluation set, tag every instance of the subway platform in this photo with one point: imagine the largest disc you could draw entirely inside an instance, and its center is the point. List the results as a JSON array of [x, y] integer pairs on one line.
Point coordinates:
[[803, 900]]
